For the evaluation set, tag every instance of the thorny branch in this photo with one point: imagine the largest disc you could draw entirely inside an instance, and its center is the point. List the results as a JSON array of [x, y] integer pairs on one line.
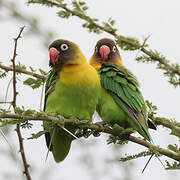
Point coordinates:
[[165, 124], [5, 102], [7, 68], [19, 70], [20, 138], [160, 60], [108, 130]]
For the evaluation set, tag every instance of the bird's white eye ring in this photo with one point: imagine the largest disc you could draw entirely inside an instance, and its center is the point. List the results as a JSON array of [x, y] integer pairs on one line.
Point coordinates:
[[114, 49], [96, 49], [64, 47]]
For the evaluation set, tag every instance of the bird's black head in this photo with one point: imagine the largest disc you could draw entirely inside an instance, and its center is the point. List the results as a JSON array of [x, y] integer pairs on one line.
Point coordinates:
[[62, 52], [106, 51]]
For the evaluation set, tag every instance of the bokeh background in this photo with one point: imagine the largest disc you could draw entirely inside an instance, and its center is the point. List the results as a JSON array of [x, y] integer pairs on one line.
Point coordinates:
[[91, 158]]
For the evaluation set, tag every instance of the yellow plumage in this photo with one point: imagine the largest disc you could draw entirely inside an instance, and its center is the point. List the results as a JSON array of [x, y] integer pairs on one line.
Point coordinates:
[[71, 74]]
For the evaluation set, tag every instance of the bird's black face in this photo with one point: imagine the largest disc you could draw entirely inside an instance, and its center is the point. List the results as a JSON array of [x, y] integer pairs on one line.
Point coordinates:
[[61, 52], [106, 51]]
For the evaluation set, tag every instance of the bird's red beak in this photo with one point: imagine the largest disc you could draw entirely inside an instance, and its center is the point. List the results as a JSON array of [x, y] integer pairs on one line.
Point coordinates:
[[104, 52], [53, 54]]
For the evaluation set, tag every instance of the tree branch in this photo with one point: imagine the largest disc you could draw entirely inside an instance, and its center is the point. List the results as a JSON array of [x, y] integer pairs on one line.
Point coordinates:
[[108, 130], [155, 119], [4, 102], [171, 126], [19, 70], [122, 39], [20, 138]]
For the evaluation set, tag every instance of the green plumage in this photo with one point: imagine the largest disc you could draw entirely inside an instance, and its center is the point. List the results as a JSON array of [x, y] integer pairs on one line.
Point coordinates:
[[76, 101], [121, 101]]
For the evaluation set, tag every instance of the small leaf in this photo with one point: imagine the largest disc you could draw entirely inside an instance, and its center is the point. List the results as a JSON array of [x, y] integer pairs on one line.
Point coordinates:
[[37, 135]]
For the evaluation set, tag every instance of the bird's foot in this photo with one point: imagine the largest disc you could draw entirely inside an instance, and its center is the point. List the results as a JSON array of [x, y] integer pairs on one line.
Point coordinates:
[[123, 134], [61, 117], [61, 120], [81, 126], [101, 124], [82, 123]]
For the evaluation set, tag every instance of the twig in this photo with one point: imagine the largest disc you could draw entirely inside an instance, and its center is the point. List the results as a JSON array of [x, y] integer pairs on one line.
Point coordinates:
[[167, 125], [19, 70], [8, 89], [20, 138], [166, 152], [41, 101], [142, 142], [145, 40], [4, 136], [143, 44], [147, 163], [6, 102]]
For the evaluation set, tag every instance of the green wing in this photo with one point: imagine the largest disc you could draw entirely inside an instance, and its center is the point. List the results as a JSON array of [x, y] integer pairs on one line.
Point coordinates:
[[124, 88], [50, 84], [58, 141], [49, 88]]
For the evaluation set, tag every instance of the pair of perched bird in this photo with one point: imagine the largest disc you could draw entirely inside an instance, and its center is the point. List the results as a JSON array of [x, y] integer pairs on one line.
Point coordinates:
[[75, 89]]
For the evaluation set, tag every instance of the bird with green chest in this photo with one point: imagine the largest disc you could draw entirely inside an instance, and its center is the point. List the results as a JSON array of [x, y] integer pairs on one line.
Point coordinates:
[[72, 91], [121, 101]]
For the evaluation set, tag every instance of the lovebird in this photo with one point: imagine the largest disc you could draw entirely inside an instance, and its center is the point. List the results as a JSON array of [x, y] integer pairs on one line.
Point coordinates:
[[121, 101], [72, 90]]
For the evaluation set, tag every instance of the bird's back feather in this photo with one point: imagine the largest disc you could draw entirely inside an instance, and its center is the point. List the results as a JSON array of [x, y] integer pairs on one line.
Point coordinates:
[[124, 89]]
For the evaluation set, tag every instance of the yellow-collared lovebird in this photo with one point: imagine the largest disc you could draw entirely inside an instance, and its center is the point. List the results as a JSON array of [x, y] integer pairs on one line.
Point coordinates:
[[121, 101], [72, 91]]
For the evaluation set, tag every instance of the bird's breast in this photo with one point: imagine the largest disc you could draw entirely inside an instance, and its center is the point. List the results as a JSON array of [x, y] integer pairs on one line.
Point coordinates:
[[79, 75]]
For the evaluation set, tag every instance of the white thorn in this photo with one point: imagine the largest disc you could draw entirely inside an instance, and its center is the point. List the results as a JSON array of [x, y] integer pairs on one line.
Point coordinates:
[[50, 143], [4, 136], [62, 118]]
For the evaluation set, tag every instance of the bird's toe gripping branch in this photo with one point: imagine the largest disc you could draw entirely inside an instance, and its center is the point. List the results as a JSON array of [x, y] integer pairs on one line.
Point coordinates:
[[101, 124], [124, 133], [61, 117]]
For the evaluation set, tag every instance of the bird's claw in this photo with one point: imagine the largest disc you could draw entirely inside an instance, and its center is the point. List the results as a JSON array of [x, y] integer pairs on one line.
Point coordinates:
[[123, 133], [61, 117], [101, 124], [62, 120]]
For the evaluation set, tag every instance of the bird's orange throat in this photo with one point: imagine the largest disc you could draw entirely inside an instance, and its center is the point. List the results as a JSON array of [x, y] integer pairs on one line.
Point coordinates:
[[97, 64]]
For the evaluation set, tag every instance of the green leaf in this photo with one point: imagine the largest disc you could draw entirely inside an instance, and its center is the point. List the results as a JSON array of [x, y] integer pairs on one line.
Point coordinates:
[[43, 72], [135, 156], [128, 43], [34, 83], [32, 69], [174, 166], [26, 124], [37, 135], [64, 14], [3, 74], [174, 148]]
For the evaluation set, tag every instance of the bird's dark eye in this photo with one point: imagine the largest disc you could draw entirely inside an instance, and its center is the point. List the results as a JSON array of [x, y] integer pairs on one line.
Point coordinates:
[[64, 47], [114, 49], [96, 49]]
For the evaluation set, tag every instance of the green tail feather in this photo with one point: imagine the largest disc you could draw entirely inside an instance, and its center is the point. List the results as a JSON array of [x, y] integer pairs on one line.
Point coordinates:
[[143, 130], [145, 133], [61, 144]]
